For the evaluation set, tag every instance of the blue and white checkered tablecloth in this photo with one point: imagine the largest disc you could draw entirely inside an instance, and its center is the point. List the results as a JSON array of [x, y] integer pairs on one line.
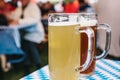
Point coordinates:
[[105, 70]]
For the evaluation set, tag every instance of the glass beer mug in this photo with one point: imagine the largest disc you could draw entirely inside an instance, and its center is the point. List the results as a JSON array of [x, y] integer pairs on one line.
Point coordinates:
[[90, 20], [72, 45]]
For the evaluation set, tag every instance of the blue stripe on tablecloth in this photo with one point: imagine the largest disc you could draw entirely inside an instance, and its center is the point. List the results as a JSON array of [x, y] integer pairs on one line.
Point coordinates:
[[99, 75], [114, 68], [89, 78], [108, 71], [28, 77], [116, 62], [42, 75], [103, 76]]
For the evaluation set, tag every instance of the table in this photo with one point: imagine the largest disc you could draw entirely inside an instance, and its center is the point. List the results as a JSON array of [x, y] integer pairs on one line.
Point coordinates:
[[105, 70]]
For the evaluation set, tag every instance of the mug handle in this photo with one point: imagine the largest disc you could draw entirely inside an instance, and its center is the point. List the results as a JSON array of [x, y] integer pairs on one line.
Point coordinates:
[[108, 40], [90, 34]]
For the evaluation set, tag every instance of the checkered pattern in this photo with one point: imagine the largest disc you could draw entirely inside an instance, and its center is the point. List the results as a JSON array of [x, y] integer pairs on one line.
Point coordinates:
[[105, 70]]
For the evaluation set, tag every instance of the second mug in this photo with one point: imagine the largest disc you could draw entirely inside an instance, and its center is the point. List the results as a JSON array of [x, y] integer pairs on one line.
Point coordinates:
[[90, 20]]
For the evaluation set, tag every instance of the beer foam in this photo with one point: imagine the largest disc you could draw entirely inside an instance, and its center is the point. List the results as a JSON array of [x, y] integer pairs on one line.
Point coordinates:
[[64, 20], [87, 22], [73, 21], [62, 23]]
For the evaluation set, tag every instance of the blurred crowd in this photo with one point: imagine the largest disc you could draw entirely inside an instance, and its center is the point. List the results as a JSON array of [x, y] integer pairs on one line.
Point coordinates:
[[24, 12], [13, 14]]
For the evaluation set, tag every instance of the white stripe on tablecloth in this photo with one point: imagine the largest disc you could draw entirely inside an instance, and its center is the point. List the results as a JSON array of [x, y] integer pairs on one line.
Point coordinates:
[[104, 72], [117, 63], [113, 70], [95, 77], [46, 70], [107, 68], [31, 76], [35, 75]]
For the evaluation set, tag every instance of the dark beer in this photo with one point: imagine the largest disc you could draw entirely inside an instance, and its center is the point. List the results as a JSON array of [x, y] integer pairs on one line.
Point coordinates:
[[84, 49]]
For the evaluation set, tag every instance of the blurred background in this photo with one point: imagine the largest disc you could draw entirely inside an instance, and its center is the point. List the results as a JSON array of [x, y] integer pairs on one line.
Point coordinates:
[[106, 10]]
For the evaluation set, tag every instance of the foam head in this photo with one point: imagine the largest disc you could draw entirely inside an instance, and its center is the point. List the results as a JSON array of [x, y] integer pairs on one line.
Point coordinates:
[[63, 20], [87, 22]]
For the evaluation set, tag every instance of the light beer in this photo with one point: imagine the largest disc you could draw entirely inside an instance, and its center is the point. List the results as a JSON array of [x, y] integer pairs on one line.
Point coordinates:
[[64, 52]]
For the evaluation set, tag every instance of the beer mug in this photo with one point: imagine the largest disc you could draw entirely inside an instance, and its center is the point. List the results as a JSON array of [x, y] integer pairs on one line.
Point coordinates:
[[90, 20], [69, 53]]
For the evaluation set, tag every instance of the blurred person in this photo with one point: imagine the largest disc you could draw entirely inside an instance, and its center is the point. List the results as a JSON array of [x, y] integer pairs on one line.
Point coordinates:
[[85, 6], [59, 7], [47, 8], [9, 51], [4, 65], [3, 7], [40, 4], [6, 9], [108, 12], [33, 1], [70, 7], [13, 3], [29, 13]]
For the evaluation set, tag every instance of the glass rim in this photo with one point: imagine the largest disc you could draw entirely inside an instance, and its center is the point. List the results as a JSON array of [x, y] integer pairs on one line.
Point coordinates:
[[74, 18], [72, 13]]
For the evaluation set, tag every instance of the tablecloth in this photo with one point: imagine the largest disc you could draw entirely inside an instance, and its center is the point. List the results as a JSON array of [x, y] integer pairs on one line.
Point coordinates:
[[105, 70]]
